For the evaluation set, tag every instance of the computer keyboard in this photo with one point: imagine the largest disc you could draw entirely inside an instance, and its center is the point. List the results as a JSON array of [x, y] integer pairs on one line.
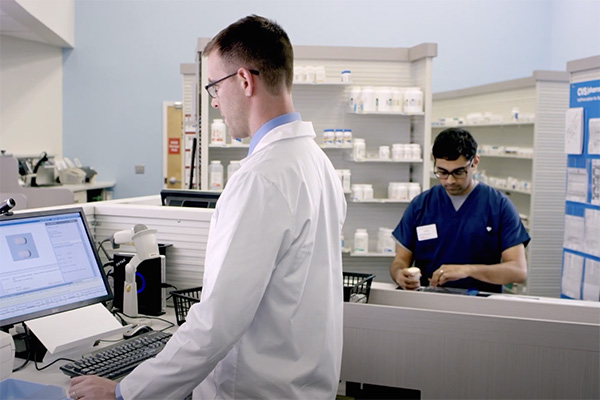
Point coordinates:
[[116, 361]]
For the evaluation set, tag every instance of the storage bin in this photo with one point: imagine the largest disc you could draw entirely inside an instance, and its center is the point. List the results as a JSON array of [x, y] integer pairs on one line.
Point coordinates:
[[183, 300], [357, 287]]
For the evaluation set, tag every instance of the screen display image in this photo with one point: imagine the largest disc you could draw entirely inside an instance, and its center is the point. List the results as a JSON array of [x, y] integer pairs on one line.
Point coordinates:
[[48, 264]]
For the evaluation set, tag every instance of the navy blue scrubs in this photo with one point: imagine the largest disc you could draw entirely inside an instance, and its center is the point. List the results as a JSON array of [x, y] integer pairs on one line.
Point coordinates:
[[484, 226]]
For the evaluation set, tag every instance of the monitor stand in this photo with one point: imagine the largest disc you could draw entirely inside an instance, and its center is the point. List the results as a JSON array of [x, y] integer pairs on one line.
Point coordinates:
[[73, 333]]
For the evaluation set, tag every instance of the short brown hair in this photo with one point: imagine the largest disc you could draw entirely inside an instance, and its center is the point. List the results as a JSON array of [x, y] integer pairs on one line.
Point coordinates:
[[255, 42]]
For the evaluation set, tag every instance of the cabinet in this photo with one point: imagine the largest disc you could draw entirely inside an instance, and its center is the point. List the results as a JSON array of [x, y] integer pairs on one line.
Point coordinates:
[[326, 106], [523, 157]]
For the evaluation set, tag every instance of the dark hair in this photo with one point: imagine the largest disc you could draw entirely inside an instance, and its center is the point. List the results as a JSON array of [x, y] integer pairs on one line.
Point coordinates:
[[257, 43], [452, 143]]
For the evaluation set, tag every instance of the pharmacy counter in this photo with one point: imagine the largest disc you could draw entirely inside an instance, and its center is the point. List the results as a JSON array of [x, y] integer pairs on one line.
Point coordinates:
[[456, 346]]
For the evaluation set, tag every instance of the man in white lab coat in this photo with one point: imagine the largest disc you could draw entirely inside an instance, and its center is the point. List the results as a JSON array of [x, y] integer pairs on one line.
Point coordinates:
[[269, 323]]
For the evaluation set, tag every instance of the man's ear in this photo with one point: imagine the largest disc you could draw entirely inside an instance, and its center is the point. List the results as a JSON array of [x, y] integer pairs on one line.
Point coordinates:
[[247, 81]]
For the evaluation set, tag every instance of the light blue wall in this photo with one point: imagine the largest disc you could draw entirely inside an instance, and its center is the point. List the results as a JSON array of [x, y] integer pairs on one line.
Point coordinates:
[[575, 31], [127, 55]]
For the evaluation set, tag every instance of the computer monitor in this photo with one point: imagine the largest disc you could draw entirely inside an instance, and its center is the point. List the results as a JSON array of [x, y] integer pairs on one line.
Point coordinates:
[[49, 264], [189, 198]]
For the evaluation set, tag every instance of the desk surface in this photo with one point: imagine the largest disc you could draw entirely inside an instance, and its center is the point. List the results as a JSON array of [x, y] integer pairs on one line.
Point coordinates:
[[85, 186], [54, 376]]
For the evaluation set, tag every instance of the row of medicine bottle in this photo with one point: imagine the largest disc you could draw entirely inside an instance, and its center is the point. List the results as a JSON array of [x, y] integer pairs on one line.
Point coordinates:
[[385, 99], [215, 173], [403, 190], [396, 191], [385, 241], [309, 74], [317, 74], [337, 138], [399, 151]]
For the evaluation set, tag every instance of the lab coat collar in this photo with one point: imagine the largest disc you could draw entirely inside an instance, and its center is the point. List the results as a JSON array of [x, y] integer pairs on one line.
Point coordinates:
[[286, 131], [270, 125]]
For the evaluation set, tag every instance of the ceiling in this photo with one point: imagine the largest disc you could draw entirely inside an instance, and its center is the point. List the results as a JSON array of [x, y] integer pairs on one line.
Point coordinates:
[[15, 21]]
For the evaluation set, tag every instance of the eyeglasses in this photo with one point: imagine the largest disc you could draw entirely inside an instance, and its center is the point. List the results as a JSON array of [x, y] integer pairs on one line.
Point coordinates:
[[212, 89], [457, 173]]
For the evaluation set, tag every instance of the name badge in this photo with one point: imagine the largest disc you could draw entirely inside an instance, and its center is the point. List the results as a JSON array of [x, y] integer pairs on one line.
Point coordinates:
[[427, 232]]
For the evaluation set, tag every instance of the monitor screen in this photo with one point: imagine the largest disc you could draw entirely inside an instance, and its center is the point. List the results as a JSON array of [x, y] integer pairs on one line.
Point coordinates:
[[49, 264], [189, 198]]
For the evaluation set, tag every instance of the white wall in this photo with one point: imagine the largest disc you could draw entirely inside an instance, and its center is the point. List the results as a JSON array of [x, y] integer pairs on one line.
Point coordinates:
[[58, 16], [30, 97], [575, 31]]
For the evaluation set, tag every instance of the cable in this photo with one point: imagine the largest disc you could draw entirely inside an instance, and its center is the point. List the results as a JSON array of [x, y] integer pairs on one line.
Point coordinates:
[[107, 341], [171, 324], [27, 349], [168, 285], [116, 314], [51, 364], [100, 247], [20, 367]]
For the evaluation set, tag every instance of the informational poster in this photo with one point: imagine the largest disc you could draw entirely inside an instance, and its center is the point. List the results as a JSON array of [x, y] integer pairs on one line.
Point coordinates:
[[594, 136], [581, 245], [574, 232], [591, 280], [577, 184], [595, 181], [592, 232], [572, 274], [574, 131]]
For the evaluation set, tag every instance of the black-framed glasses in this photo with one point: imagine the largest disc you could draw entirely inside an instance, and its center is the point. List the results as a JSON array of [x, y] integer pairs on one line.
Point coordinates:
[[457, 173], [212, 89]]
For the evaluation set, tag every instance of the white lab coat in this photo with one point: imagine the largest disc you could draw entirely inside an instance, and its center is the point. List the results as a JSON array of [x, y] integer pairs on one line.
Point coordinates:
[[269, 323]]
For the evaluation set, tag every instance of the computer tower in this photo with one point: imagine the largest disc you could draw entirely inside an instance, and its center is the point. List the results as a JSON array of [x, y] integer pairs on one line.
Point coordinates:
[[150, 276]]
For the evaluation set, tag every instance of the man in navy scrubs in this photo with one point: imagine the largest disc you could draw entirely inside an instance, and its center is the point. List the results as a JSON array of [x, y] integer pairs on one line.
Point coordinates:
[[460, 233]]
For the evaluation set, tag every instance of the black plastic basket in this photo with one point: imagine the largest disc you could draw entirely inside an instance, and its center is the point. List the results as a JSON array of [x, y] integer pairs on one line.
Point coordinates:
[[357, 287], [183, 300]]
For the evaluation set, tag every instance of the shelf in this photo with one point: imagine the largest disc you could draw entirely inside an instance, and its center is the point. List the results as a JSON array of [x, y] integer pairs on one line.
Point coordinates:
[[374, 160], [508, 155], [326, 105], [397, 113], [538, 138], [511, 190]]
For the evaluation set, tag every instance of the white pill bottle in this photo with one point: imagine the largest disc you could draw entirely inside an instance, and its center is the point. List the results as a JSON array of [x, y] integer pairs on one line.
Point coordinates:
[[361, 241], [215, 175]]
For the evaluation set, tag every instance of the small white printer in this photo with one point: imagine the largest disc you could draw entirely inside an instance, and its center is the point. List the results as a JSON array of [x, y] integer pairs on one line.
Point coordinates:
[[7, 355]]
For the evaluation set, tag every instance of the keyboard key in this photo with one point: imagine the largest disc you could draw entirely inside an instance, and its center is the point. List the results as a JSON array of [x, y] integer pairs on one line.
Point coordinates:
[[116, 361]]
